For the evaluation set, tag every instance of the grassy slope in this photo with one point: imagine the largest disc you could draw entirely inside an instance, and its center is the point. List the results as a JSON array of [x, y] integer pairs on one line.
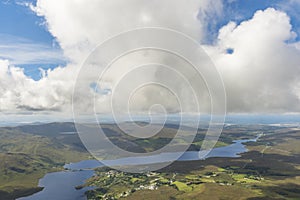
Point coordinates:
[[25, 158]]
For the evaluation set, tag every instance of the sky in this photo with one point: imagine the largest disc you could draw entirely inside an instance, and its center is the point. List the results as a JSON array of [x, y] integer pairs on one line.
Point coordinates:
[[25, 41], [43, 43]]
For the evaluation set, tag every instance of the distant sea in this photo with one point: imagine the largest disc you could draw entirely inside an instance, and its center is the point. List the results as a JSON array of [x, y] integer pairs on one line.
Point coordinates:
[[171, 119]]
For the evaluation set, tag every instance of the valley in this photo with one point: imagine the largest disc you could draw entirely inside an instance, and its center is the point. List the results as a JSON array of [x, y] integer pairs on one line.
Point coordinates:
[[269, 169]]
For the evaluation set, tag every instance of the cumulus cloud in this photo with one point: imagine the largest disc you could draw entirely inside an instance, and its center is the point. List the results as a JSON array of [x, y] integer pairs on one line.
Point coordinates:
[[19, 92], [80, 26], [261, 73], [256, 58]]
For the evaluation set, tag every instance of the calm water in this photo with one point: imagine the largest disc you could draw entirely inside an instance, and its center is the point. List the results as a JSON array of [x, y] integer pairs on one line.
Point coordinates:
[[61, 185]]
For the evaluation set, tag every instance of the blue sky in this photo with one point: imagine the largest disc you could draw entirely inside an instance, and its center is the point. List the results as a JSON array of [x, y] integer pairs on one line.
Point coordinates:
[[241, 10], [21, 28], [19, 21], [22, 32]]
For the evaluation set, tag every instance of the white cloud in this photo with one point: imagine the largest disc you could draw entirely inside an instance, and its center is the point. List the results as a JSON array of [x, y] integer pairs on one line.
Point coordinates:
[[19, 92], [261, 75], [80, 26], [263, 71]]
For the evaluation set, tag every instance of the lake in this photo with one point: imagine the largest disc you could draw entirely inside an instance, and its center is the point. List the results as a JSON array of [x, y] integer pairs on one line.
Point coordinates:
[[61, 185]]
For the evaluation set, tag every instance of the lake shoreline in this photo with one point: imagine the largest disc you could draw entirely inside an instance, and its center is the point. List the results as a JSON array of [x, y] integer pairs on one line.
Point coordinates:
[[87, 167]]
